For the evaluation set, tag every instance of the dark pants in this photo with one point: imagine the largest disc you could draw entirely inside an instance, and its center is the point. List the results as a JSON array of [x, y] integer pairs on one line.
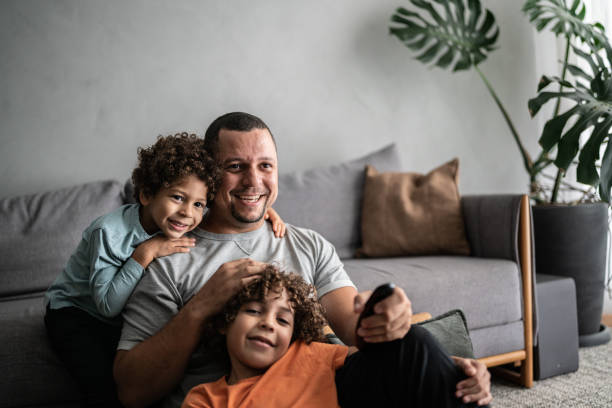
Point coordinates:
[[87, 347], [410, 372]]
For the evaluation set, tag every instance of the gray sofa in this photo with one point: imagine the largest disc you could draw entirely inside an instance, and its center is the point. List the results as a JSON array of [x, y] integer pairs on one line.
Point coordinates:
[[40, 231]]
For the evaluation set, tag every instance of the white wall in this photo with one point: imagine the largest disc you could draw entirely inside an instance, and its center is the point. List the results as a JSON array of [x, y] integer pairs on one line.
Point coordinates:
[[84, 83]]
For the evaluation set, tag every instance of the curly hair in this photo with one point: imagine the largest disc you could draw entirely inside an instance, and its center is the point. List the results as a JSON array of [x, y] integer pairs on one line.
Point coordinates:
[[308, 312], [171, 159]]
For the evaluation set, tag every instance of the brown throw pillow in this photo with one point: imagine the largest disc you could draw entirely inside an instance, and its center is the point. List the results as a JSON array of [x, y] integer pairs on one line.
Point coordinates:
[[412, 214]]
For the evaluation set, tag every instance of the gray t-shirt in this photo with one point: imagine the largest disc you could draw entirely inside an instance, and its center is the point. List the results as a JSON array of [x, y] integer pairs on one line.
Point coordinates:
[[171, 281]]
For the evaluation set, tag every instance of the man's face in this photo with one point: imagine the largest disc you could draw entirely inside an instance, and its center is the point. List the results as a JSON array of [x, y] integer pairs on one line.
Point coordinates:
[[249, 183]]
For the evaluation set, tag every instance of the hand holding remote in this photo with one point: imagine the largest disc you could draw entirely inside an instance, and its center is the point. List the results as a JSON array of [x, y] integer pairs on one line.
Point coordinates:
[[380, 293]]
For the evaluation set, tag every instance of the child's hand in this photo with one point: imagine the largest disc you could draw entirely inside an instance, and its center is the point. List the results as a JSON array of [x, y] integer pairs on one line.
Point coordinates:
[[278, 226], [159, 246]]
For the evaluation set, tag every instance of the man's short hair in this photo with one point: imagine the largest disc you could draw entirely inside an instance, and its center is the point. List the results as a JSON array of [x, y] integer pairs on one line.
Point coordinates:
[[238, 121]]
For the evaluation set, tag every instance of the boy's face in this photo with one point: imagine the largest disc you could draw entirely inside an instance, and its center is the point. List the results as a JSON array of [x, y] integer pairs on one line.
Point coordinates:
[[260, 335], [175, 210]]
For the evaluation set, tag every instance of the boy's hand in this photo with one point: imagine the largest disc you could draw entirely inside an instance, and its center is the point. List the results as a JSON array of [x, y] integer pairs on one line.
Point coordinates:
[[278, 225], [160, 245]]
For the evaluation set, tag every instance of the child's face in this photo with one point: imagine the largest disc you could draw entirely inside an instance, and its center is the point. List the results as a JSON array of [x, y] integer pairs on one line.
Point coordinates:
[[260, 335], [175, 210]]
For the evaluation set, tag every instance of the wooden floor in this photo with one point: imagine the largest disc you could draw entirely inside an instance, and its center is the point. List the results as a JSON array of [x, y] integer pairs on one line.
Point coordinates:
[[607, 320]]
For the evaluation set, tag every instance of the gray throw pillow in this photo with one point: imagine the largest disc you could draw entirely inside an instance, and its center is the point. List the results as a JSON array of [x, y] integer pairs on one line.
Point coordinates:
[[450, 330], [328, 199]]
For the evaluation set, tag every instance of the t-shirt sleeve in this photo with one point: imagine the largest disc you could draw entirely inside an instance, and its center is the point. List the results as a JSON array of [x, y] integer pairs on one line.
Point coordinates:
[[329, 270], [154, 302]]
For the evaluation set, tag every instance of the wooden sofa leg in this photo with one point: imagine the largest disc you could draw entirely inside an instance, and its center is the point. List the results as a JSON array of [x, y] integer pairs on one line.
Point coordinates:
[[526, 378]]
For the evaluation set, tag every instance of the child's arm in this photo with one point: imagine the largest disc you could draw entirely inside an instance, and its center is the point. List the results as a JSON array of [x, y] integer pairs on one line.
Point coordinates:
[[112, 280], [278, 225]]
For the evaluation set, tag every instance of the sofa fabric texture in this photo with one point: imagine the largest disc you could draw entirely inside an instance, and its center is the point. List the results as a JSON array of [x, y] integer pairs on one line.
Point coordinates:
[[412, 213], [40, 231]]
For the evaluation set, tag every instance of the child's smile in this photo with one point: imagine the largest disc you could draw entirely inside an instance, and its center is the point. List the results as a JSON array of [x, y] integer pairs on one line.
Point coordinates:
[[259, 336], [177, 209]]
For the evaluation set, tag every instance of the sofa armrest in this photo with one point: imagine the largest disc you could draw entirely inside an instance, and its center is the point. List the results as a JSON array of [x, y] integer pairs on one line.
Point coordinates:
[[492, 225]]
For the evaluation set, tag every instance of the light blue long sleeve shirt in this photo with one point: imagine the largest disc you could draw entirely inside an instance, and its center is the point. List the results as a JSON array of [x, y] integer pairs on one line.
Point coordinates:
[[101, 274]]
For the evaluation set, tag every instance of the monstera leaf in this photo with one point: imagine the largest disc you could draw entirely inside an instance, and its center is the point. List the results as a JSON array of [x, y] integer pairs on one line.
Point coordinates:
[[455, 33], [592, 110], [563, 20]]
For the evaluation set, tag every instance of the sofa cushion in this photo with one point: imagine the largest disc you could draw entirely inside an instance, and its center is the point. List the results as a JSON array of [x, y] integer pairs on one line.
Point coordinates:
[[328, 199], [40, 232], [412, 214], [437, 284], [32, 374]]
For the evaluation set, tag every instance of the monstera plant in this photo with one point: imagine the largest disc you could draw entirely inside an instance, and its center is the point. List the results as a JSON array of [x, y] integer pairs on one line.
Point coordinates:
[[459, 35], [570, 240]]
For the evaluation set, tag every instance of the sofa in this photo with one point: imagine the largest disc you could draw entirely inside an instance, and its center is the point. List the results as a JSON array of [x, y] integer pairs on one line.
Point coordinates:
[[492, 286]]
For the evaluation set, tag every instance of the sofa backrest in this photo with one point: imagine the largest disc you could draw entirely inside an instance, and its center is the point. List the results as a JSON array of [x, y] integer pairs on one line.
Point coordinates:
[[40, 232], [328, 199]]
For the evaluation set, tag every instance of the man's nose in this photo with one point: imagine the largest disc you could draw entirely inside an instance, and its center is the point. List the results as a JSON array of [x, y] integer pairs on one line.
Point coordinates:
[[251, 177]]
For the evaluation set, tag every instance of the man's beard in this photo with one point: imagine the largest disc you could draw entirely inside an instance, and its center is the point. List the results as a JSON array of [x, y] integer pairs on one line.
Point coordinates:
[[257, 218]]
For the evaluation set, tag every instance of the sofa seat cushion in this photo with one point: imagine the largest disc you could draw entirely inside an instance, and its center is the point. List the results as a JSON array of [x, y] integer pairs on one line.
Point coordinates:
[[488, 291], [32, 374]]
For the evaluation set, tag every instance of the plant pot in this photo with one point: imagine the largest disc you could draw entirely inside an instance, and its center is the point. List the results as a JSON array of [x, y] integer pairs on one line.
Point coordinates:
[[571, 240]]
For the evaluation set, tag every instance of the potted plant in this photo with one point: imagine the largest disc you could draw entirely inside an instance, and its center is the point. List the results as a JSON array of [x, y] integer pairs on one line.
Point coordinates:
[[570, 239]]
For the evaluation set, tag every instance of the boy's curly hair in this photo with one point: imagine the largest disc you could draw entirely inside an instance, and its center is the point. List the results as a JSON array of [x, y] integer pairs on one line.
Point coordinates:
[[308, 312], [169, 160]]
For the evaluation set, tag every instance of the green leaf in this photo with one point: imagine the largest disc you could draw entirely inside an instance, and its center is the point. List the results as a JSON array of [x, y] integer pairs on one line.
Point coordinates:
[[554, 128], [586, 172], [605, 178], [448, 28], [564, 20], [569, 144]]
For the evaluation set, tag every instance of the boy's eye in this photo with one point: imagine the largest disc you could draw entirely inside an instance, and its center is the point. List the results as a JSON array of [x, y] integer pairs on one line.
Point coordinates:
[[177, 197], [282, 321], [251, 311], [199, 205]]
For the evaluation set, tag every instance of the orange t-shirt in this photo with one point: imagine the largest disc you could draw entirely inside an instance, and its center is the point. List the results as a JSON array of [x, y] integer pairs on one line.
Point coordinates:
[[303, 377]]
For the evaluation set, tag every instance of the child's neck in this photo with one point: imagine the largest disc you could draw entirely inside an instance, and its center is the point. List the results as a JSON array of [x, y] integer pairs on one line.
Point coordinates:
[[237, 375]]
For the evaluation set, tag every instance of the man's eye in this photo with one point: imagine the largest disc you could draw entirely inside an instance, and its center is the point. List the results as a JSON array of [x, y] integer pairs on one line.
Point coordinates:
[[233, 166], [266, 165]]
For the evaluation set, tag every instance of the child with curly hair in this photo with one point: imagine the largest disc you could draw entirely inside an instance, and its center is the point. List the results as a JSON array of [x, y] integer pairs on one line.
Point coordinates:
[[274, 332], [173, 182]]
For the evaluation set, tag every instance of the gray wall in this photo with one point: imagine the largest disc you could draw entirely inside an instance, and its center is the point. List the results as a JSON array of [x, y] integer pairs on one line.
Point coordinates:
[[84, 83]]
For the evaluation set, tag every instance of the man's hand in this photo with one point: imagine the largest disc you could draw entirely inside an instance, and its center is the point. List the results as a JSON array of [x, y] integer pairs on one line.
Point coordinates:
[[160, 245], [477, 387], [391, 319], [229, 278]]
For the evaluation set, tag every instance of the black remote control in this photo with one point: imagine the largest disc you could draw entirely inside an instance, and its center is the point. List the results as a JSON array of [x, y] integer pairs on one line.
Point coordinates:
[[380, 293]]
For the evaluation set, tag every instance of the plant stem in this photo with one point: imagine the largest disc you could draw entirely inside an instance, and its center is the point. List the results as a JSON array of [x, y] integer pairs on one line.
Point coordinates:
[[555, 192], [528, 163], [560, 173]]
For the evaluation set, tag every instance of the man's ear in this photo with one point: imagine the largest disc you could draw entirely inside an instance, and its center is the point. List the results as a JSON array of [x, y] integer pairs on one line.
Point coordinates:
[[143, 198]]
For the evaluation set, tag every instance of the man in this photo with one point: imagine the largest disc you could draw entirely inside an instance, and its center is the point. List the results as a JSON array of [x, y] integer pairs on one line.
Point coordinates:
[[161, 353]]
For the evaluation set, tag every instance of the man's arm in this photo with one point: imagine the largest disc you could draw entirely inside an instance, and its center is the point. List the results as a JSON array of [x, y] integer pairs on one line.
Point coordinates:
[[151, 369]]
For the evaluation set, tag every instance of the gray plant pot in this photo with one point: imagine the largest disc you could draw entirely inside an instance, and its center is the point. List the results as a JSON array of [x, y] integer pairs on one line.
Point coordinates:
[[572, 241]]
